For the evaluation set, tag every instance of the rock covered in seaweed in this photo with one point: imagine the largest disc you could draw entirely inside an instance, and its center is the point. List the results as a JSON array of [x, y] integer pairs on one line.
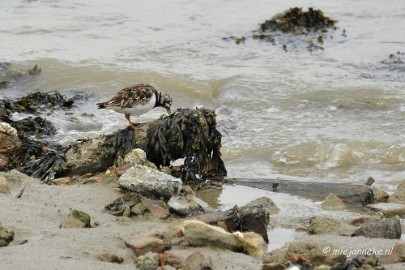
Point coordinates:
[[295, 20], [189, 134], [293, 28]]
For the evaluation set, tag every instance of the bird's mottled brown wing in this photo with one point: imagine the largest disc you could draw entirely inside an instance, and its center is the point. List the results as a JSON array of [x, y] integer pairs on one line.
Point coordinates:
[[132, 95]]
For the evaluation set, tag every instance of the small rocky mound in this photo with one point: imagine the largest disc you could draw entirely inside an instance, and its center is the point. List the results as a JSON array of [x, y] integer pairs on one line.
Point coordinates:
[[293, 28], [297, 21]]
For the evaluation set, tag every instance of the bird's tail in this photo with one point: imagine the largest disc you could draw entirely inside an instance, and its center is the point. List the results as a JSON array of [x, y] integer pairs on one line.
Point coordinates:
[[101, 105]]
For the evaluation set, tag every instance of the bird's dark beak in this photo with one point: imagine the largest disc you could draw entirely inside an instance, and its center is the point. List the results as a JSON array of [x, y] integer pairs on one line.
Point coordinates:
[[168, 111]]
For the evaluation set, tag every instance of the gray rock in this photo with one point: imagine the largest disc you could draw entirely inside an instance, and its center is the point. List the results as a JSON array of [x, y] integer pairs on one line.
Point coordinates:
[[265, 202], [149, 261], [389, 228], [321, 225], [6, 236], [150, 182], [187, 206]]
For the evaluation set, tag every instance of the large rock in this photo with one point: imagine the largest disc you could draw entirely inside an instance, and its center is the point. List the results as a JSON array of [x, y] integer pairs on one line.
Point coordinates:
[[6, 236], [322, 225], [200, 234], [399, 194], [387, 228], [150, 182]]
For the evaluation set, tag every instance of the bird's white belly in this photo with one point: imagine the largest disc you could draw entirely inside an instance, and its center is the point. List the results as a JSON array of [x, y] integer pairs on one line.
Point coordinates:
[[138, 109]]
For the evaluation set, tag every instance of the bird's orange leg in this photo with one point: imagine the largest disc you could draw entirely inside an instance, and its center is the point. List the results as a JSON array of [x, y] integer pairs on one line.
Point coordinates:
[[127, 116]]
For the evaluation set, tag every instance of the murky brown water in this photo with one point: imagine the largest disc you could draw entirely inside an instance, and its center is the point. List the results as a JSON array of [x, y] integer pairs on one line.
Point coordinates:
[[336, 113]]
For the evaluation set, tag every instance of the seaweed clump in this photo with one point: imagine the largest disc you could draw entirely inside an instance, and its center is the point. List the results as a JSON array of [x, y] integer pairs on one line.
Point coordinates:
[[188, 134], [293, 28], [295, 20]]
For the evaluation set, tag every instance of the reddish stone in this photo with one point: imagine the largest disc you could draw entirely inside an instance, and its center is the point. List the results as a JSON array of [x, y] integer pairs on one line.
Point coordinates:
[[143, 245], [397, 255], [155, 209]]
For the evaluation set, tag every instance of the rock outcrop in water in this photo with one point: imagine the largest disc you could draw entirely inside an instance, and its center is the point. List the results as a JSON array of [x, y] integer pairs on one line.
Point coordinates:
[[297, 21], [293, 28]]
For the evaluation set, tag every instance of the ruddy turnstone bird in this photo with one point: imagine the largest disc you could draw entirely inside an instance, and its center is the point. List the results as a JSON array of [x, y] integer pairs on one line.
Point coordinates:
[[137, 99]]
